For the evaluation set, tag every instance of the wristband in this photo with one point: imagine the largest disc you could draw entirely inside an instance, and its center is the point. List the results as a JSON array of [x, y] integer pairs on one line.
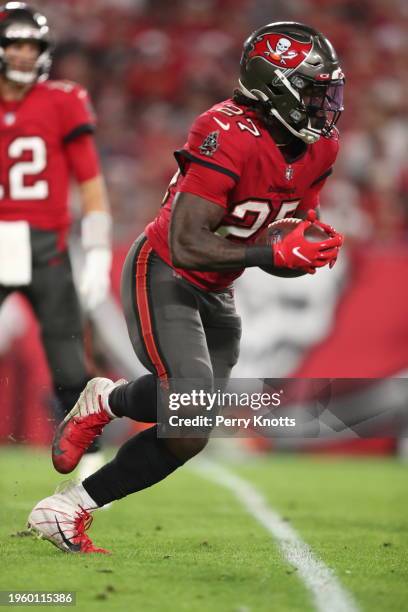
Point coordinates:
[[96, 230], [258, 256]]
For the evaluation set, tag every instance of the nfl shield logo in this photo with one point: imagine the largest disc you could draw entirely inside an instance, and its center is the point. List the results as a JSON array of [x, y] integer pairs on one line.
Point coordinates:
[[289, 173]]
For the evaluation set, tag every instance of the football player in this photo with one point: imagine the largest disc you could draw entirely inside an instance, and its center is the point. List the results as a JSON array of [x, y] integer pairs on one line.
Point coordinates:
[[262, 155], [46, 138]]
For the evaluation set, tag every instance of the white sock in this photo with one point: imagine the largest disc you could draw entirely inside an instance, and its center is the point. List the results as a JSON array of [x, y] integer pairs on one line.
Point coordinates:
[[105, 397], [105, 403], [87, 501]]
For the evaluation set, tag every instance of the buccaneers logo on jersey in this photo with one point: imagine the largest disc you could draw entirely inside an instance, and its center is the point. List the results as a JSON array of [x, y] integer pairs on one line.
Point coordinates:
[[210, 144]]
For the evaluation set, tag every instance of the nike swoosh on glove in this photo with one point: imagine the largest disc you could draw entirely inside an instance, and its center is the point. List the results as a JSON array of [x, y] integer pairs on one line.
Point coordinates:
[[295, 251]]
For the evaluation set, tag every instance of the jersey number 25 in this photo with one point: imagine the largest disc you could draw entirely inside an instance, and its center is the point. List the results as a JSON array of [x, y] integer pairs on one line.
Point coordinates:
[[252, 215]]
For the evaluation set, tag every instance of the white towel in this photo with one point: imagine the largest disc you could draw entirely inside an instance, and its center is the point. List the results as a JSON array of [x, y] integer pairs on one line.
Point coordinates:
[[15, 253]]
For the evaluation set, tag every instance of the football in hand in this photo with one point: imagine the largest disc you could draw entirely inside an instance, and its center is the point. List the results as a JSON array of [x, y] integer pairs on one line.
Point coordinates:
[[277, 230]]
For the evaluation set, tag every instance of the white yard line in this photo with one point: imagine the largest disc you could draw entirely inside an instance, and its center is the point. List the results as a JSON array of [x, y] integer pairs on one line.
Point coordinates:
[[328, 594]]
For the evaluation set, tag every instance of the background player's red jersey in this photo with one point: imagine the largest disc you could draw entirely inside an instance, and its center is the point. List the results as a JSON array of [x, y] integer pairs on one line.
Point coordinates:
[[231, 160], [34, 166]]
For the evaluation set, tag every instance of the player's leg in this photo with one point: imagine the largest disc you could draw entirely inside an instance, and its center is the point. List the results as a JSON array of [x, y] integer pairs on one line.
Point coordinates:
[[180, 339], [166, 331], [137, 399], [223, 332], [55, 303], [222, 327], [167, 334], [54, 300], [160, 310]]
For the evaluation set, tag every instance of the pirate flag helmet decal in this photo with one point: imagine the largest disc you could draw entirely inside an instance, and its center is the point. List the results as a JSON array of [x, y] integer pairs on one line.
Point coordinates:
[[294, 71]]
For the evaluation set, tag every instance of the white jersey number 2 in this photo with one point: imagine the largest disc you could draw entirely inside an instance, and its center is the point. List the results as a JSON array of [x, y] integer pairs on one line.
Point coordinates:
[[21, 169]]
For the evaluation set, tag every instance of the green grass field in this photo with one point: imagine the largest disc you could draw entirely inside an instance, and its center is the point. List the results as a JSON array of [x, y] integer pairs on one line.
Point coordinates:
[[187, 544]]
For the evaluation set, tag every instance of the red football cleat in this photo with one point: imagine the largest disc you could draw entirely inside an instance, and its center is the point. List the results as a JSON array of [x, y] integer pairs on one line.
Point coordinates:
[[83, 424]]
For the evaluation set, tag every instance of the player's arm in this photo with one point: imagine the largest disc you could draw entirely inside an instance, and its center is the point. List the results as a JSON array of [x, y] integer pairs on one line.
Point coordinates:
[[93, 195], [96, 219], [195, 246]]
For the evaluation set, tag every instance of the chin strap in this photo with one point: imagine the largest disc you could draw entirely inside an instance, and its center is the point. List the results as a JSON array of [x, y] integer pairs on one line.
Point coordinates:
[[307, 134]]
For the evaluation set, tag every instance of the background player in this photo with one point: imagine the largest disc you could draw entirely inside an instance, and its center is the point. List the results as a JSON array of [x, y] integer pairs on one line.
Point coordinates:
[[46, 138], [261, 156]]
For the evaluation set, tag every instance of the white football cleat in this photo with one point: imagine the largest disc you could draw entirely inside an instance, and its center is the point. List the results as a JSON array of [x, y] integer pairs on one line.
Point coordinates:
[[63, 519]]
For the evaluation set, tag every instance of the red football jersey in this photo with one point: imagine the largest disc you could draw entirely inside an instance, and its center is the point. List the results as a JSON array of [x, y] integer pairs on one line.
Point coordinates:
[[35, 135], [231, 160]]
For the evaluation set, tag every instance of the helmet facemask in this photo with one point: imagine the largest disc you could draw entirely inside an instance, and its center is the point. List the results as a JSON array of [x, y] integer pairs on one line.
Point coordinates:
[[308, 108]]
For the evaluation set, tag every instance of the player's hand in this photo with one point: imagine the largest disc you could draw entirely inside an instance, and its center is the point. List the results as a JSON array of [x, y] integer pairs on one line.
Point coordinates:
[[95, 281], [329, 229], [295, 251]]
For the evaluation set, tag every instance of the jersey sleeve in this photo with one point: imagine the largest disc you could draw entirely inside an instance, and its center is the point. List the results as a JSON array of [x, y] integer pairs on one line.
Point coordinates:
[[211, 146], [207, 184], [75, 111], [82, 158], [211, 161]]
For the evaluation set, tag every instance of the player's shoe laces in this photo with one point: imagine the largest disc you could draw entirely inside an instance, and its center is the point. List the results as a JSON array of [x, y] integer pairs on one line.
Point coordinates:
[[63, 519], [83, 424]]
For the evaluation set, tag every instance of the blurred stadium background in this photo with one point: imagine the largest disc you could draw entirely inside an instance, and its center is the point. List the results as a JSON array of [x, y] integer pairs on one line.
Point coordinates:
[[151, 66]]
